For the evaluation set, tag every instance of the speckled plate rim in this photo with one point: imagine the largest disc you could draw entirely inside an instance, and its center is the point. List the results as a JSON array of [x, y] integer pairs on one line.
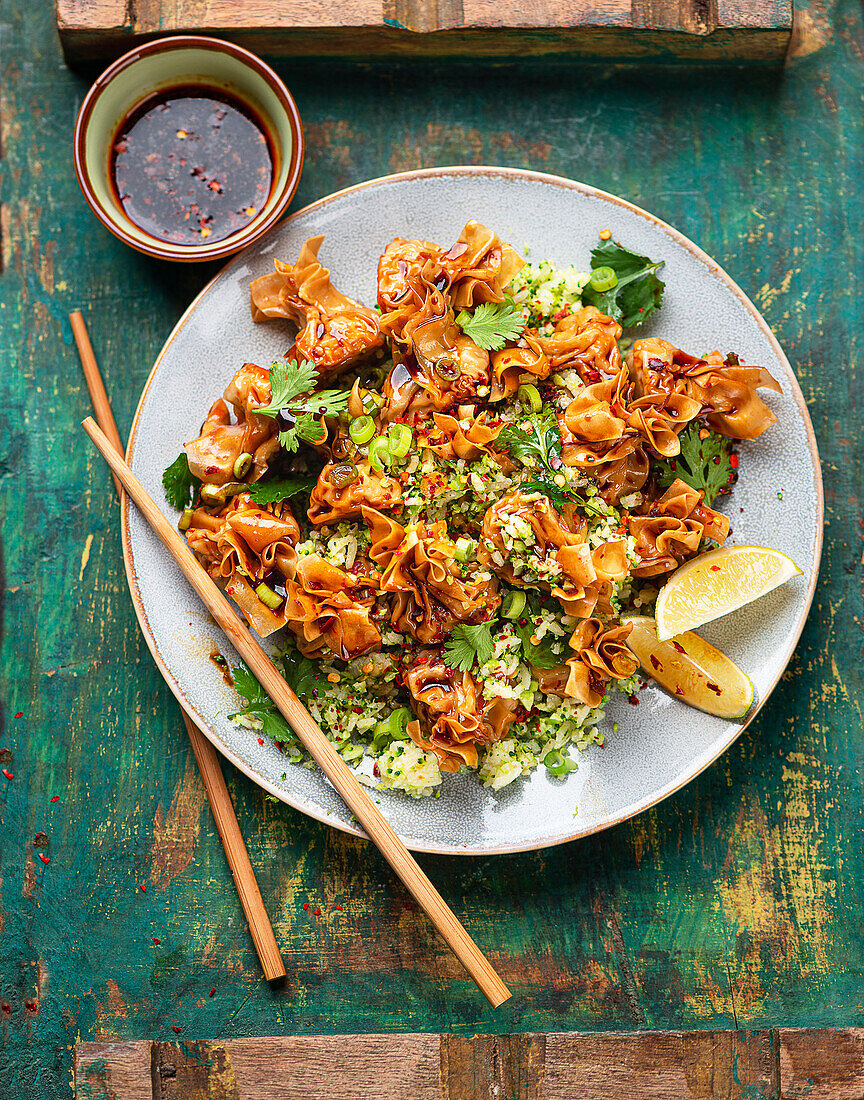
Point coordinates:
[[634, 808]]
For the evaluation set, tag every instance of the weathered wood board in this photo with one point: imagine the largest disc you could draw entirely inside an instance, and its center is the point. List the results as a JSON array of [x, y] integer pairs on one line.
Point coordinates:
[[739, 31], [736, 903], [808, 1064]]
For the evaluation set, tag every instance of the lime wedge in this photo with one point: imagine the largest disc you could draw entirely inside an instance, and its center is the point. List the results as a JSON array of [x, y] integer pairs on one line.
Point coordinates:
[[691, 669], [718, 582]]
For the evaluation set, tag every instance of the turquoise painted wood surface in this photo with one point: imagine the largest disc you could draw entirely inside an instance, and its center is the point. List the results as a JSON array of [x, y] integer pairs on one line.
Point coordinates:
[[738, 902]]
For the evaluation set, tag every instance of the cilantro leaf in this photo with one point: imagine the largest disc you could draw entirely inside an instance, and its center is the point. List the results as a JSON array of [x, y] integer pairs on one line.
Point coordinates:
[[539, 448], [287, 381], [291, 400], [541, 654], [492, 324], [703, 463], [180, 485], [467, 643], [271, 492], [638, 291], [259, 705], [304, 676]]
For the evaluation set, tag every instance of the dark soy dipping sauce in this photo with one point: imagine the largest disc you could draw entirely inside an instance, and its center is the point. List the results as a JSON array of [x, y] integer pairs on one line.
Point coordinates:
[[191, 165]]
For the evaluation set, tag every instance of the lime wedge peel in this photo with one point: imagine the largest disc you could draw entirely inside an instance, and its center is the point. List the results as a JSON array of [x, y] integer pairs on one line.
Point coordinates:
[[692, 670], [718, 583]]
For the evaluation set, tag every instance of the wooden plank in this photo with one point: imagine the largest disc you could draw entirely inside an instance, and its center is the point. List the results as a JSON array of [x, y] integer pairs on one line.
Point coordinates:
[[114, 1071], [807, 1064], [629, 29], [822, 1063]]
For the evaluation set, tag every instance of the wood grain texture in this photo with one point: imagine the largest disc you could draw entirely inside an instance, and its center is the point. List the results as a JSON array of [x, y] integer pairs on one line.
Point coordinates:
[[734, 904], [662, 30], [815, 1063]]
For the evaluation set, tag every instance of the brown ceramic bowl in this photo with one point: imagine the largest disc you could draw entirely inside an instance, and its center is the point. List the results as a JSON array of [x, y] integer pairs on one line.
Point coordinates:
[[182, 61]]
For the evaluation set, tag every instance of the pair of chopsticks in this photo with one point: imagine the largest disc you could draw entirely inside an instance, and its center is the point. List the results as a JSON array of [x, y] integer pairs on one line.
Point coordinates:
[[208, 761], [320, 749]]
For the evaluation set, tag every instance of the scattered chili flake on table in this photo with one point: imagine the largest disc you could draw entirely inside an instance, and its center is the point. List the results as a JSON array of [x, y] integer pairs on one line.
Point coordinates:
[[305, 904], [44, 858], [317, 912], [156, 940], [213, 991], [40, 840], [339, 908], [143, 888], [56, 798], [176, 1029], [8, 774], [20, 714]]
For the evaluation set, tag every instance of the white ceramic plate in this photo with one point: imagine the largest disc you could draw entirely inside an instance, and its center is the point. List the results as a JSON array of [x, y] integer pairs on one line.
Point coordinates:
[[661, 744]]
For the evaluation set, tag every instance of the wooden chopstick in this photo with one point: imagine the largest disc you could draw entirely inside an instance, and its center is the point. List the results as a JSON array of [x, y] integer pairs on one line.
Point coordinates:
[[208, 761], [301, 721]]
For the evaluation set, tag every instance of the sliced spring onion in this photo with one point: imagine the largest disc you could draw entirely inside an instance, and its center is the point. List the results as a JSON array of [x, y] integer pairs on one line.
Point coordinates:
[[361, 429], [394, 727], [242, 465], [603, 278], [343, 475], [186, 519], [379, 453], [267, 596], [399, 440], [448, 370], [463, 549], [513, 605], [529, 396], [214, 496], [559, 764]]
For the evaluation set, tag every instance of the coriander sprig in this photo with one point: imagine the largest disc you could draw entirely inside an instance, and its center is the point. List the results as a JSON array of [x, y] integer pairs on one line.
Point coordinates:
[[468, 643], [492, 324], [538, 448], [636, 292], [291, 400], [704, 464]]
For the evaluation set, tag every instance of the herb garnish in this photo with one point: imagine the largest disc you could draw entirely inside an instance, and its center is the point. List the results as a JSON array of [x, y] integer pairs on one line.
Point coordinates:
[[541, 654], [704, 464], [290, 398], [180, 484], [538, 447], [306, 680], [467, 643], [492, 324], [638, 291], [271, 492]]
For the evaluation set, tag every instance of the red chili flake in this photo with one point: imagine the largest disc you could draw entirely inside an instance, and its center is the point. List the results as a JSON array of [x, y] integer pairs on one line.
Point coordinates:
[[593, 376], [40, 840], [213, 991], [679, 691], [716, 460], [655, 662], [5, 1007], [176, 1029], [211, 470], [260, 740], [679, 647], [633, 700], [305, 904], [20, 714], [562, 313], [733, 461], [56, 798], [339, 908], [8, 774], [44, 858], [156, 940], [715, 568], [143, 888], [714, 688], [31, 1006], [317, 912]]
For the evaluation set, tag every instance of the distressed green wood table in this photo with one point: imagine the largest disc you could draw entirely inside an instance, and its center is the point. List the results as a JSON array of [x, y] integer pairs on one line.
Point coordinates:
[[736, 903]]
